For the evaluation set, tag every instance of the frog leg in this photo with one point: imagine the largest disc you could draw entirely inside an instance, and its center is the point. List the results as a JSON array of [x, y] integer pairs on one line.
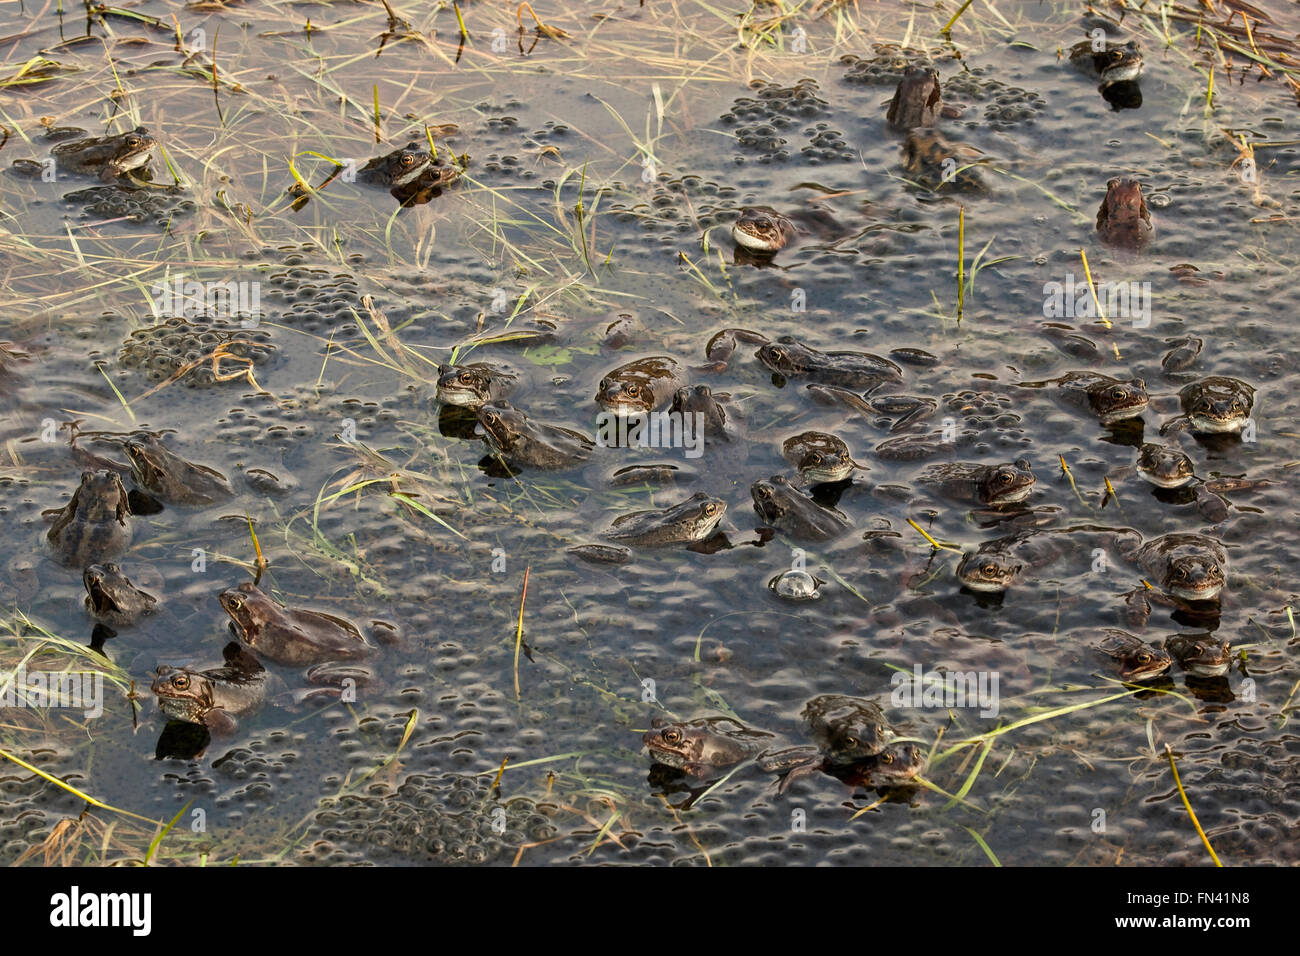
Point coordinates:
[[220, 723]]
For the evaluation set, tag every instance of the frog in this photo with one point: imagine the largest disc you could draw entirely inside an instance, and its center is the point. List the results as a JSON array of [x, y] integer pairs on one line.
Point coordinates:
[[820, 458], [640, 386], [897, 765], [1123, 219], [918, 101], [1111, 400], [782, 506], [289, 636], [215, 696], [1171, 470], [1200, 655], [762, 230], [720, 422], [992, 486], [997, 564], [934, 162], [1163, 466], [703, 746], [1182, 356], [900, 412], [106, 157], [398, 168], [1113, 63], [788, 358], [1134, 659], [95, 524], [523, 443], [845, 732], [475, 384], [1184, 565], [723, 343], [112, 599], [689, 521], [171, 479], [1215, 405]]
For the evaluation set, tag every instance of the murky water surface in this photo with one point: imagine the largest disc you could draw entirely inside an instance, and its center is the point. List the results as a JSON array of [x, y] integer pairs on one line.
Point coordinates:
[[602, 173]]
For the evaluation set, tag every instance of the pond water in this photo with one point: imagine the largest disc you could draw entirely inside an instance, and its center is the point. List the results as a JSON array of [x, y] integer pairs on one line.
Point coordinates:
[[594, 176]]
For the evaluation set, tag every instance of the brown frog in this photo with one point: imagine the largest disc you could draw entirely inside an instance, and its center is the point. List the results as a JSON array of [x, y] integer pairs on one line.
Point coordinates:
[[169, 477], [763, 230], [215, 696], [107, 157], [290, 636], [95, 524], [1123, 219], [917, 101], [640, 386], [700, 747], [112, 599]]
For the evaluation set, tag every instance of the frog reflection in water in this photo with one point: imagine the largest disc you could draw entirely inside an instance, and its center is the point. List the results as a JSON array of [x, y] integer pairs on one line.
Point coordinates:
[[702, 746], [95, 524], [216, 696], [291, 636], [169, 477], [106, 157]]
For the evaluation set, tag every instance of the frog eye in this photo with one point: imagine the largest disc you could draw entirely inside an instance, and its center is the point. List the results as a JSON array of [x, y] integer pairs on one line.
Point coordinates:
[[814, 459], [1236, 405], [407, 159], [1213, 569], [634, 390], [778, 354], [491, 419], [1182, 573], [850, 742], [989, 570], [1144, 658], [466, 378], [1117, 393], [236, 603], [886, 758], [710, 508], [764, 491], [133, 141], [1004, 477], [604, 384], [672, 735], [181, 682]]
